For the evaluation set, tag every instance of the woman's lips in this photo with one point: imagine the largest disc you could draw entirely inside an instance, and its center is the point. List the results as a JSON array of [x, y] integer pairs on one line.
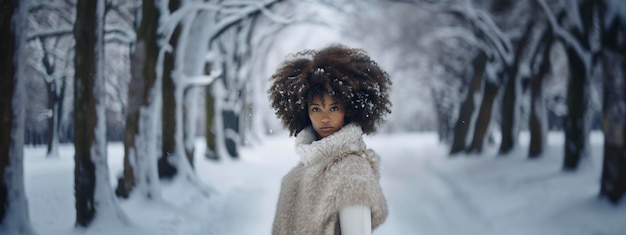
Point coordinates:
[[326, 128]]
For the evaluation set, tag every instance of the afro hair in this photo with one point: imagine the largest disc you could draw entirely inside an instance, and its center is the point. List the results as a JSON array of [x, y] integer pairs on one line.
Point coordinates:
[[346, 74]]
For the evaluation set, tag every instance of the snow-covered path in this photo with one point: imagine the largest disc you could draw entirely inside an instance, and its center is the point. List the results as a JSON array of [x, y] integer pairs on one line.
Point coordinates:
[[422, 199], [431, 193], [427, 192]]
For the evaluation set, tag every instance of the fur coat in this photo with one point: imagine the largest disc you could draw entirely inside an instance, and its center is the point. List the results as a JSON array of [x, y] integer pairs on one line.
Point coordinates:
[[334, 172]]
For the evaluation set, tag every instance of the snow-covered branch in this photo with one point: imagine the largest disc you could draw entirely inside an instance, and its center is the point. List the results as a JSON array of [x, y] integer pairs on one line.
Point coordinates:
[[170, 22], [563, 34], [120, 32], [41, 71], [201, 80], [455, 32], [331, 4], [233, 19], [121, 39], [435, 6], [63, 31], [573, 14], [485, 25], [117, 8], [238, 3], [275, 17], [53, 6], [260, 6], [499, 38], [129, 35]]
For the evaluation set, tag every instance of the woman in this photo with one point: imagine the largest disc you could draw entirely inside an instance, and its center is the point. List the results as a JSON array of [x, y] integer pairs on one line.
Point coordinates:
[[329, 99]]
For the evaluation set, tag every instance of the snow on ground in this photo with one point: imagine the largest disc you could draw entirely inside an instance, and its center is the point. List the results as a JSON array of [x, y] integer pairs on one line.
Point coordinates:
[[427, 191]]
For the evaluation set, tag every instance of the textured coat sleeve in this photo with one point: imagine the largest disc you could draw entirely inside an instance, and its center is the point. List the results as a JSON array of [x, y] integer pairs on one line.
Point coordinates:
[[353, 179], [287, 204]]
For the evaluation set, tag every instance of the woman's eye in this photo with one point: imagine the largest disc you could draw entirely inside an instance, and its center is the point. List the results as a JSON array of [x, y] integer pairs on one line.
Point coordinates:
[[334, 108], [316, 109]]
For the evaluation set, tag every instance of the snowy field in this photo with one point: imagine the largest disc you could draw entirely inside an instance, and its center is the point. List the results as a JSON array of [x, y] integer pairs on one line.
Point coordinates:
[[427, 192]]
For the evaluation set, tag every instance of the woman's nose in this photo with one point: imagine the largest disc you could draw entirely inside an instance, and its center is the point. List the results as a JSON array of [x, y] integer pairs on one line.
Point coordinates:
[[325, 119]]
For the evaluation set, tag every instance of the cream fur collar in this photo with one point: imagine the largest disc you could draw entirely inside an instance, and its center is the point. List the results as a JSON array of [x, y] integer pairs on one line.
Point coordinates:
[[348, 138]]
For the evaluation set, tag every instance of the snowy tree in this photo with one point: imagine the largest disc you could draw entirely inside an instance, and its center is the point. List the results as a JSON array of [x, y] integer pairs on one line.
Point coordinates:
[[505, 53], [50, 53], [256, 105], [182, 76], [169, 156], [181, 65], [140, 140], [466, 110], [94, 196], [234, 46], [54, 66], [119, 42], [510, 100], [226, 101], [540, 67], [613, 181], [577, 36], [416, 62], [14, 217], [612, 30], [55, 85]]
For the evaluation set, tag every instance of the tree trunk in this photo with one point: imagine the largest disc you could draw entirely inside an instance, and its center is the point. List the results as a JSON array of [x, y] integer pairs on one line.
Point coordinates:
[[189, 114], [183, 92], [613, 180], [226, 103], [168, 121], [483, 120], [55, 104], [510, 108], [56, 90], [139, 151], [575, 124], [464, 121], [91, 174], [167, 169], [14, 218], [537, 124], [59, 114], [53, 139], [231, 132], [84, 111], [509, 114], [580, 63], [442, 112], [211, 148]]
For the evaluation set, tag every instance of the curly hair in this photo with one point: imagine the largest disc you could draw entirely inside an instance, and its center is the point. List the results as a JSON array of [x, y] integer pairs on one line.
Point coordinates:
[[346, 74]]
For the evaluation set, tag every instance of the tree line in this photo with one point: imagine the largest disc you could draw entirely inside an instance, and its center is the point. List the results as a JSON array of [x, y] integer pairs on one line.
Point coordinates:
[[501, 56], [147, 60]]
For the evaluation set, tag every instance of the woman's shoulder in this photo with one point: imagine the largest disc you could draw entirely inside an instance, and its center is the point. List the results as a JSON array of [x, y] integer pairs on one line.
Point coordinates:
[[358, 161]]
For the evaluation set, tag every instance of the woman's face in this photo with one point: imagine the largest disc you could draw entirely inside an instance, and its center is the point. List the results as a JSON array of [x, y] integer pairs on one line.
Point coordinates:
[[326, 114]]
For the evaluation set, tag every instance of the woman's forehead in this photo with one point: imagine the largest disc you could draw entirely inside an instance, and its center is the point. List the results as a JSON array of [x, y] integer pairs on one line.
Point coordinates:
[[323, 99]]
